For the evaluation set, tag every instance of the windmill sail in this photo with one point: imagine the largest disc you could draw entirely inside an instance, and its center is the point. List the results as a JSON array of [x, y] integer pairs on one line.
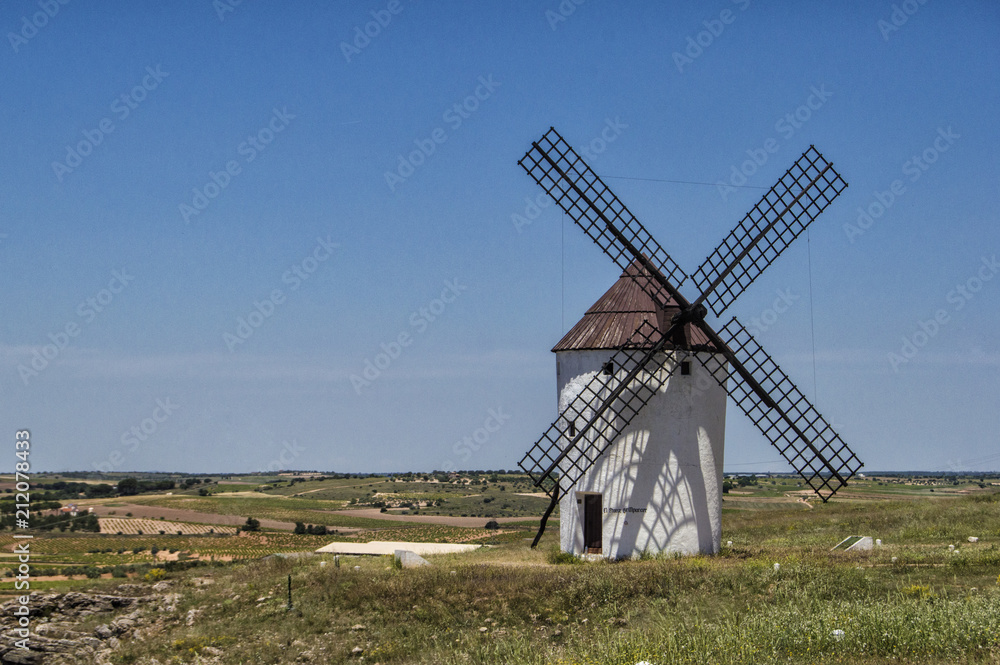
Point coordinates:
[[556, 167], [805, 190], [782, 413]]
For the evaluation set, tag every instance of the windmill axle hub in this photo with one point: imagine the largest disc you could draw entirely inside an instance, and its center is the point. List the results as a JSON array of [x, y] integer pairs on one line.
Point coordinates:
[[693, 314]]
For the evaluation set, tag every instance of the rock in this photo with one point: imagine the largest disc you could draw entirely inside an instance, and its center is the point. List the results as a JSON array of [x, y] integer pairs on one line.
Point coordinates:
[[162, 586], [973, 539], [170, 601], [358, 626], [357, 651], [408, 559], [21, 657], [192, 616], [103, 632], [483, 629]]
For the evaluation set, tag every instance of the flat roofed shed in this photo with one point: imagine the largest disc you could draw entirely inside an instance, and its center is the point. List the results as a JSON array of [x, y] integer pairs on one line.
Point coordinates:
[[610, 322]]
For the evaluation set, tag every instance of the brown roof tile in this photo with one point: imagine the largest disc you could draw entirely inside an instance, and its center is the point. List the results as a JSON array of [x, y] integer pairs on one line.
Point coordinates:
[[612, 320]]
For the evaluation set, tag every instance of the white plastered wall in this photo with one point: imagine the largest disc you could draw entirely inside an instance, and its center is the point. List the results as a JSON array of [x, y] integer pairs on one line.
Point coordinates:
[[661, 481]]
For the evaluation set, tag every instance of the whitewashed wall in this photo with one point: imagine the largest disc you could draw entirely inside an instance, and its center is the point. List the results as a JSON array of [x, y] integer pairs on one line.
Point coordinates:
[[661, 481]]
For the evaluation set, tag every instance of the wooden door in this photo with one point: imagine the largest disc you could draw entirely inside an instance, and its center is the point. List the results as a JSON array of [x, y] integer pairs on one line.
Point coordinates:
[[593, 518]]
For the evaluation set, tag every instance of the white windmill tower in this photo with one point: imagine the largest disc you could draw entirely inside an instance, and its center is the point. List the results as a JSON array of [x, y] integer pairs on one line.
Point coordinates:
[[659, 487], [636, 453]]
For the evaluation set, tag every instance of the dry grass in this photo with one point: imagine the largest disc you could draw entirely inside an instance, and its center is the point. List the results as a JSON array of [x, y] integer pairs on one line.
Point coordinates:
[[508, 605]]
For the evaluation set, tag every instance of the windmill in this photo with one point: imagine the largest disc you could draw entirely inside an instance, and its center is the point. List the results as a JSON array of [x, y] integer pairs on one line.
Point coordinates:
[[591, 453]]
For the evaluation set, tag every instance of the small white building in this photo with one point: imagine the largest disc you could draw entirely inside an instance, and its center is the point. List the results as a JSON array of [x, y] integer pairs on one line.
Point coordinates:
[[658, 488]]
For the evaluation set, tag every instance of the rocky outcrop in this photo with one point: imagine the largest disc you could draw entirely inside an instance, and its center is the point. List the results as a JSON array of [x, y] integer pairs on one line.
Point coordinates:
[[57, 637]]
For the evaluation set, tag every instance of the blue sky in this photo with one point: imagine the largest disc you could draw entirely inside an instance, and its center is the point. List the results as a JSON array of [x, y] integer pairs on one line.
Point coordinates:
[[172, 169]]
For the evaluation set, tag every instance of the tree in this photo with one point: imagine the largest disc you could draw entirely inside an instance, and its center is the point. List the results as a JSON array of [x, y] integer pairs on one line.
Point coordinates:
[[128, 486], [493, 525], [251, 525], [300, 528]]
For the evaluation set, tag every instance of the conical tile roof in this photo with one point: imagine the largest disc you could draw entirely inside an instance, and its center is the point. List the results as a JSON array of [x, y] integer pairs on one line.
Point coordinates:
[[611, 321]]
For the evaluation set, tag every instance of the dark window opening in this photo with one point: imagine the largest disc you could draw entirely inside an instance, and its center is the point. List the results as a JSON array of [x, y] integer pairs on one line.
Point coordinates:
[[608, 368], [685, 368], [572, 429]]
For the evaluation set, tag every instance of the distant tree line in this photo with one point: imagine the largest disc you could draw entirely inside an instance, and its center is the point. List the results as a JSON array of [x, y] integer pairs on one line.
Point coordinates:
[[313, 529], [86, 522], [132, 486], [69, 490]]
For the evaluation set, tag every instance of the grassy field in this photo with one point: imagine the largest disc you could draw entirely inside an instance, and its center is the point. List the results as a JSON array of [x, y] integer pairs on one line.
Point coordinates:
[[510, 604], [913, 600]]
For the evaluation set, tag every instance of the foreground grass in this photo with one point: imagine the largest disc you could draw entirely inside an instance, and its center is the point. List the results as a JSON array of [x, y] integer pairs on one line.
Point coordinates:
[[726, 609], [509, 605]]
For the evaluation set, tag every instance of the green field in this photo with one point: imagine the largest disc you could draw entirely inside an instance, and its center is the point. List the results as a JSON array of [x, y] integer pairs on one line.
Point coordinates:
[[912, 600], [510, 604]]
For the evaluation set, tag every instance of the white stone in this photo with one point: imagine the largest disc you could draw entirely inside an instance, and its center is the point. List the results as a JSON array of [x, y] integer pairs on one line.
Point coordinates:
[[661, 481], [838, 634], [878, 542], [951, 548], [777, 566], [408, 559], [973, 539]]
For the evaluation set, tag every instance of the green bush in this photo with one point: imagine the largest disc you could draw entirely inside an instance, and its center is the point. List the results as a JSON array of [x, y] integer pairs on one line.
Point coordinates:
[[557, 556]]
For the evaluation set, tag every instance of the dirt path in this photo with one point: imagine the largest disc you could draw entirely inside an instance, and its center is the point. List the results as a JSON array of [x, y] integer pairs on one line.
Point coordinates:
[[445, 520]]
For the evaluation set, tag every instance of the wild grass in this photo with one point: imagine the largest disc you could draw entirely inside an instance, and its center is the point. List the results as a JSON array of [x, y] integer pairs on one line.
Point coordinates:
[[508, 604]]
